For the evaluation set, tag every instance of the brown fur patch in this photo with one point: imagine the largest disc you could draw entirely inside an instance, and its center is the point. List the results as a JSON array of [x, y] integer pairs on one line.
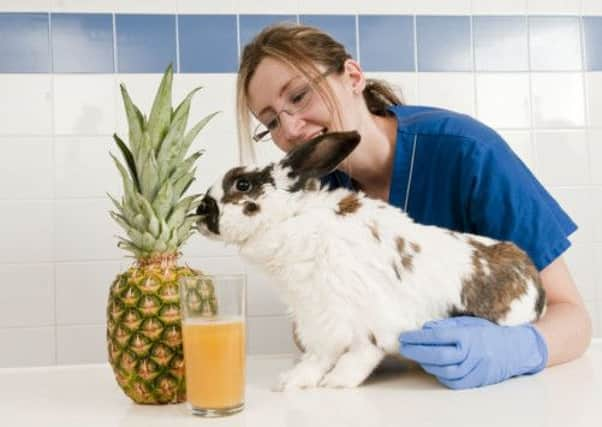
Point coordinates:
[[407, 258], [348, 204], [374, 230], [396, 270], [296, 339], [250, 208], [488, 294], [373, 339], [312, 185]]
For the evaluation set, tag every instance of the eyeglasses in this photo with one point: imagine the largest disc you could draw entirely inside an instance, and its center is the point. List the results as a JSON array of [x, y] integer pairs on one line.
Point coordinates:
[[297, 100]]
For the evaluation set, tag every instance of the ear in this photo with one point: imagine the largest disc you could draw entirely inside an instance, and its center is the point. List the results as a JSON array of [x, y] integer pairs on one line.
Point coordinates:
[[356, 77], [320, 156]]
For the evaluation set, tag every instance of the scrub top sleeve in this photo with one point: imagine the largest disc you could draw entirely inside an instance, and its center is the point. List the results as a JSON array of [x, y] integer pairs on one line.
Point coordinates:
[[508, 203]]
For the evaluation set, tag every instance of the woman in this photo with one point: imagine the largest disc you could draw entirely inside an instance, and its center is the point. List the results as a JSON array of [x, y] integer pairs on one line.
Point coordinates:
[[442, 168]]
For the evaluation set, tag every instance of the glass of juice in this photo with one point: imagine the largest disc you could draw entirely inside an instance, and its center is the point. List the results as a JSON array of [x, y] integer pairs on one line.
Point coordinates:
[[213, 325]]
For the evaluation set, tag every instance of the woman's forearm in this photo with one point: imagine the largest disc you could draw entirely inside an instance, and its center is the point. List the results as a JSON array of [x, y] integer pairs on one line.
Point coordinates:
[[567, 330]]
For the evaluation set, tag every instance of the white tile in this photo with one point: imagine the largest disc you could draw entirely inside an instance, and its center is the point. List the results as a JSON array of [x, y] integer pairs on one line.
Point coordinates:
[[503, 100], [497, 7], [597, 249], [218, 93], [593, 308], [556, 7], [404, 84], [593, 85], [592, 7], [81, 344], [25, 6], [82, 291], [27, 347], [520, 142], [27, 231], [558, 100], [271, 7], [27, 297], [84, 167], [84, 104], [269, 335], [454, 91], [577, 204], [136, 6], [200, 246], [78, 6], [215, 265], [594, 137], [263, 296], [26, 168], [85, 231], [26, 106], [384, 7], [202, 7], [562, 157], [447, 7], [580, 260], [221, 154], [595, 196]]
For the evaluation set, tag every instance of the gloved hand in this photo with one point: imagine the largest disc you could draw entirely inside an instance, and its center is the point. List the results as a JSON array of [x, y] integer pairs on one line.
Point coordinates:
[[466, 352]]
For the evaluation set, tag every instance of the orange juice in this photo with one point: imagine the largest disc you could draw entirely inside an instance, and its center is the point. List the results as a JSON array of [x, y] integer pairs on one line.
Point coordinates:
[[214, 353]]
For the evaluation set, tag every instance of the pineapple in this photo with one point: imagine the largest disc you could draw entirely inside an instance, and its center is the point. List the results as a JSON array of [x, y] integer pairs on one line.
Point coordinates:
[[144, 334]]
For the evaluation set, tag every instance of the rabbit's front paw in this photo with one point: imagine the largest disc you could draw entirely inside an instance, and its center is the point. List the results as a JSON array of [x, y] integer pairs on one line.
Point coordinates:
[[303, 375], [341, 378]]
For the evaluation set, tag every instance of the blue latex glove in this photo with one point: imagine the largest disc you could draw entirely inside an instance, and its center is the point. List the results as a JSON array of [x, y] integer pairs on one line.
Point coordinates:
[[466, 352]]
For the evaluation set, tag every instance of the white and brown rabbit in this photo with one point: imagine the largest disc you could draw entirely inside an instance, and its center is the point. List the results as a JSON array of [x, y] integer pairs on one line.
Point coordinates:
[[354, 271]]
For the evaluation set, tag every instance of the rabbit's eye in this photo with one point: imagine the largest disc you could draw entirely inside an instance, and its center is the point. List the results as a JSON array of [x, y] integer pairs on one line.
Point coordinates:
[[243, 185]]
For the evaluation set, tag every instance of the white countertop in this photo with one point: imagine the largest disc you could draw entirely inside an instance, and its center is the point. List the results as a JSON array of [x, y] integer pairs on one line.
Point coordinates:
[[88, 396]]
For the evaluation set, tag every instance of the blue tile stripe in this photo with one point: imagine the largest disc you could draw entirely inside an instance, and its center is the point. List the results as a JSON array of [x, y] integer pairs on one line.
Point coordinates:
[[85, 43]]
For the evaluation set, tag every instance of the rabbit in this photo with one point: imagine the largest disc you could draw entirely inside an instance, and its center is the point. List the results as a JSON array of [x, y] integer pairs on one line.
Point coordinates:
[[353, 271]]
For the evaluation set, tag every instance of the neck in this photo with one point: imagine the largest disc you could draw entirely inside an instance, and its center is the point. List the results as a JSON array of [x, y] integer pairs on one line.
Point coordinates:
[[371, 163]]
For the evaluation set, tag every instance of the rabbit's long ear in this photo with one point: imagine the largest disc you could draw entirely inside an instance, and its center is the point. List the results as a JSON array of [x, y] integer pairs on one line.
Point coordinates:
[[320, 156]]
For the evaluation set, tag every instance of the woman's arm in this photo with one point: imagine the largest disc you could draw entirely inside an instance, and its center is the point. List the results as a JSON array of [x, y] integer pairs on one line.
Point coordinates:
[[566, 325]]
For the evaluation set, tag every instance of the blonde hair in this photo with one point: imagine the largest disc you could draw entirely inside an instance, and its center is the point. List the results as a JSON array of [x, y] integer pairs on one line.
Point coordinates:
[[302, 48]]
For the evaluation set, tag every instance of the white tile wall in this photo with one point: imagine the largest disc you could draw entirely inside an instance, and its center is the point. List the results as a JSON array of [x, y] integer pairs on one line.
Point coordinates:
[[58, 242], [28, 294], [33, 181], [27, 347], [84, 104], [593, 85], [497, 7], [558, 100], [503, 100], [32, 114], [562, 157], [454, 91], [560, 7]]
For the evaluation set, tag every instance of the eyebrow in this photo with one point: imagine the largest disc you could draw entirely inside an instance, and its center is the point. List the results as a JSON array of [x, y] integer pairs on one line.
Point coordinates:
[[280, 92]]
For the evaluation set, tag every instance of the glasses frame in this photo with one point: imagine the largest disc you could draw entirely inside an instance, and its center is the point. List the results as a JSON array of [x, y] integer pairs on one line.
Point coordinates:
[[258, 136]]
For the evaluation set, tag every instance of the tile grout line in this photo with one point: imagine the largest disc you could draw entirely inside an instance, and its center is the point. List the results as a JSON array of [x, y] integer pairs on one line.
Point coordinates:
[[54, 183]]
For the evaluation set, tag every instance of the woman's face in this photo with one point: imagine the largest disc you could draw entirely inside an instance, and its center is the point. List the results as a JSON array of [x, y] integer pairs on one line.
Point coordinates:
[[283, 100]]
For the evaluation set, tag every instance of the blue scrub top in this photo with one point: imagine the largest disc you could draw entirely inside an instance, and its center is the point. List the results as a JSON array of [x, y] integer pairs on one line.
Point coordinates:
[[453, 171]]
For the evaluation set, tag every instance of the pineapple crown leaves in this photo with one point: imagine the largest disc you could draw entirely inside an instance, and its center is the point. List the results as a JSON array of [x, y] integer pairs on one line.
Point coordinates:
[[157, 173]]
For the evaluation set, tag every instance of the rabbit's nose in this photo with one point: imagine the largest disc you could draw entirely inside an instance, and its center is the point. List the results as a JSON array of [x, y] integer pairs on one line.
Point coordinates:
[[207, 207]]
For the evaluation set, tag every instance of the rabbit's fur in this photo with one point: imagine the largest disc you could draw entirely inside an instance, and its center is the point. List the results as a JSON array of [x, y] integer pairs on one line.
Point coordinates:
[[354, 271]]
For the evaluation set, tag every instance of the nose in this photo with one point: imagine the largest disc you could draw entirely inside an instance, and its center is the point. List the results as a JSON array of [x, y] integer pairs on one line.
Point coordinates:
[[292, 126], [207, 206], [209, 213]]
